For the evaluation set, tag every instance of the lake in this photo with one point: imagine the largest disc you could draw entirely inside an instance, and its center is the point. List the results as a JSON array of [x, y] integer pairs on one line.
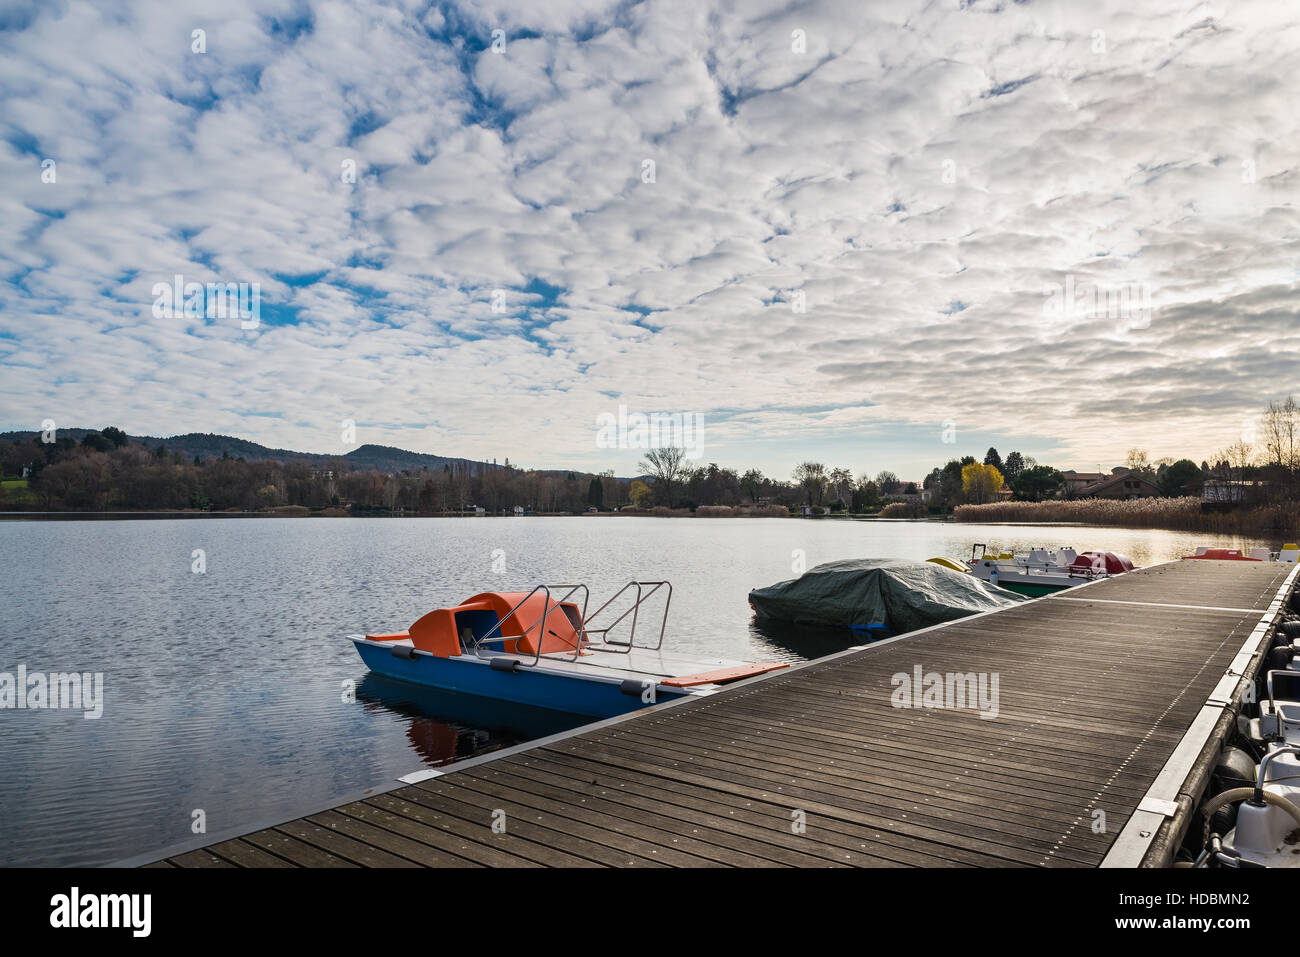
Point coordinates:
[[225, 690]]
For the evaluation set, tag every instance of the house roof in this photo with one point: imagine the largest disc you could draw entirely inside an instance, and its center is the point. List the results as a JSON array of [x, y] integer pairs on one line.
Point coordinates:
[[1115, 479]]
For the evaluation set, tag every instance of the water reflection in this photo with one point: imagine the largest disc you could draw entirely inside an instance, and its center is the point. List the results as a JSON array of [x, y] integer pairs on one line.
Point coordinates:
[[443, 726], [785, 641]]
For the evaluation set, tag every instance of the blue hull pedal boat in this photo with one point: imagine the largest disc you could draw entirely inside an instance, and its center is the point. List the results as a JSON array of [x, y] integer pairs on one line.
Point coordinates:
[[541, 648]]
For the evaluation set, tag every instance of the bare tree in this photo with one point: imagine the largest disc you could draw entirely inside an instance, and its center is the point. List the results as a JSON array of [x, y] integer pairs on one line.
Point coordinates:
[[666, 465], [811, 476], [1281, 438], [842, 484], [1232, 465], [615, 492], [1139, 461]]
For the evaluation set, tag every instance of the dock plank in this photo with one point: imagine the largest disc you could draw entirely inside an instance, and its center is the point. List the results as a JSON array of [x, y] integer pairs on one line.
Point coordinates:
[[296, 852], [544, 829], [326, 838], [497, 789], [243, 854], [201, 858]]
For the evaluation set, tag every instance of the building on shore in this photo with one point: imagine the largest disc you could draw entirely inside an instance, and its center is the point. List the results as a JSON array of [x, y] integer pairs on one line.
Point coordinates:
[[1076, 482], [1125, 485], [1229, 492]]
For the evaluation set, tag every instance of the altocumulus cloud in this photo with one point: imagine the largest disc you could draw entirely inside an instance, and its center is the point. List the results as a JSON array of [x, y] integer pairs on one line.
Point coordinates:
[[917, 174]]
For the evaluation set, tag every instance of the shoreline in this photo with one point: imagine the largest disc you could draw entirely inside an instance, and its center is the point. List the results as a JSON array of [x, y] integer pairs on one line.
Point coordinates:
[[163, 514]]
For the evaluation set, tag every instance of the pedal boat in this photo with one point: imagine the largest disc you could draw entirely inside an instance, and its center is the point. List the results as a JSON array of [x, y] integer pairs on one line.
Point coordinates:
[[536, 649], [1288, 554], [1044, 572]]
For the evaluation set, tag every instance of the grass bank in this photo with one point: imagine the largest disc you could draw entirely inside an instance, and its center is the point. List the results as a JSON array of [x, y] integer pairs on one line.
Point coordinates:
[[16, 492]]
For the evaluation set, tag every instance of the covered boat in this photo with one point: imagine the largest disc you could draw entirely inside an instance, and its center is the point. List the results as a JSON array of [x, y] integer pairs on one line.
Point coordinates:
[[882, 596]]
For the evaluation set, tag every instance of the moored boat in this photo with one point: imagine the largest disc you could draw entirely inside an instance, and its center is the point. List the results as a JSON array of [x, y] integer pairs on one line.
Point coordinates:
[[538, 649], [877, 597], [1043, 572], [1288, 554]]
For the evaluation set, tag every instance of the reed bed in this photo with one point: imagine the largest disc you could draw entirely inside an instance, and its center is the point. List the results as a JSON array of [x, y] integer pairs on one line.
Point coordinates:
[[742, 511], [1177, 514]]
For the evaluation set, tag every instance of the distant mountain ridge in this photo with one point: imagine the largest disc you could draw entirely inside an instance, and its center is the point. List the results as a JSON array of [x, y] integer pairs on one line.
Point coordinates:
[[382, 458]]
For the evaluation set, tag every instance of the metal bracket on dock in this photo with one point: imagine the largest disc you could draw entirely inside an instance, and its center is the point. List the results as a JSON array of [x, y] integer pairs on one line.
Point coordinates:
[[1157, 806], [415, 777]]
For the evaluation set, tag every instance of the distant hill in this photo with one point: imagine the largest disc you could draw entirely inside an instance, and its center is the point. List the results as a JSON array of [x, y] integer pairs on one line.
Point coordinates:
[[383, 458], [387, 458]]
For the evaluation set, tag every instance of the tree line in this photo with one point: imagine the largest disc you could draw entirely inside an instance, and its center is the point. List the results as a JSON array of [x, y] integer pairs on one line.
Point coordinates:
[[106, 471], [1263, 465]]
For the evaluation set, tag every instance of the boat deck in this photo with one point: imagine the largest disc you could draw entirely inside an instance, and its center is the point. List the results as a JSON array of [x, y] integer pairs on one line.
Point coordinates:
[[1104, 694], [612, 661]]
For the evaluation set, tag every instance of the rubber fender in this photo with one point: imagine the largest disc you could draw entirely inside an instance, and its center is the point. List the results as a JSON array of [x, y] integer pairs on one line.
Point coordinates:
[[1235, 768], [1279, 658]]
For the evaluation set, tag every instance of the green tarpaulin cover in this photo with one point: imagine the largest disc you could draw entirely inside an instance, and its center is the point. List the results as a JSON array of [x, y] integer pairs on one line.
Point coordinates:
[[874, 592]]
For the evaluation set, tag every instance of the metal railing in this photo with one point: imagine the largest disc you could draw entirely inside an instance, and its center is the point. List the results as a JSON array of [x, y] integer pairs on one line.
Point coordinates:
[[583, 631], [625, 647], [1278, 708]]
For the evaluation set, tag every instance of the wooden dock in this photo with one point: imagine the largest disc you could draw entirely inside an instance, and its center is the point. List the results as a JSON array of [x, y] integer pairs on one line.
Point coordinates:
[[1107, 695]]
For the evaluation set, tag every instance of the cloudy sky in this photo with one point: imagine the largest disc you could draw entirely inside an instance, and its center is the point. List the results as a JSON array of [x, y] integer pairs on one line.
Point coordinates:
[[838, 230]]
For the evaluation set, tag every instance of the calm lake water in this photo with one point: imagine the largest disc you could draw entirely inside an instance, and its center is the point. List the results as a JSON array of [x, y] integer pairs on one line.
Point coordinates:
[[223, 690]]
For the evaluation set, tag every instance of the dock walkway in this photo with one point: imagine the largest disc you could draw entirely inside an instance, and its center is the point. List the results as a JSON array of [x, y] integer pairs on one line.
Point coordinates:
[[1106, 695]]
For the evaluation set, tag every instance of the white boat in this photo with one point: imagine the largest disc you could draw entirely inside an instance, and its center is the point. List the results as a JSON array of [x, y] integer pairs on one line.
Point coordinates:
[[1042, 572]]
